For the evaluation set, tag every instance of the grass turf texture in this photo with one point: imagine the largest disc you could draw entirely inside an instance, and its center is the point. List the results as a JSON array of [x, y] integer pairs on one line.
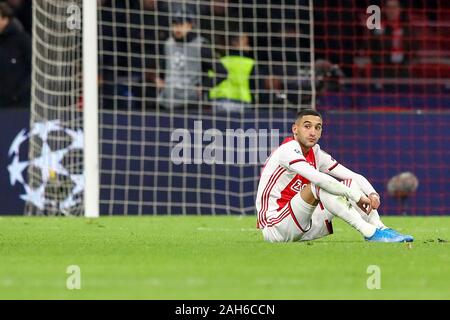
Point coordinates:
[[215, 258]]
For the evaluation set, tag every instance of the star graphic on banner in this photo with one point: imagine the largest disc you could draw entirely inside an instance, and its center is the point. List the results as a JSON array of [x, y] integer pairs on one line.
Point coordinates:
[[15, 170], [78, 179], [67, 204], [77, 139], [34, 196], [21, 137], [50, 161], [44, 128]]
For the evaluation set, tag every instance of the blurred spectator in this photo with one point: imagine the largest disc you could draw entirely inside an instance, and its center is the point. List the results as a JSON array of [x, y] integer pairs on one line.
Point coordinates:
[[335, 28], [235, 92], [129, 43], [296, 90], [156, 14], [23, 13], [391, 47], [290, 54], [290, 50], [15, 61], [186, 59], [214, 14]]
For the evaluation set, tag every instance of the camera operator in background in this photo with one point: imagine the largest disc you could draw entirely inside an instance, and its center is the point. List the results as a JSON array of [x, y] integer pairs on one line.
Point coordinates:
[[296, 91]]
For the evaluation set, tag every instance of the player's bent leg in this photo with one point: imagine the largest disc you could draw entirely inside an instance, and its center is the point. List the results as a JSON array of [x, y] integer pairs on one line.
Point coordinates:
[[373, 217], [293, 220], [341, 207], [321, 225]]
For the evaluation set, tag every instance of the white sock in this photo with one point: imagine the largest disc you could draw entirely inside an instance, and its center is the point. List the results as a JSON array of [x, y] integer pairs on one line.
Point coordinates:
[[342, 208], [374, 219]]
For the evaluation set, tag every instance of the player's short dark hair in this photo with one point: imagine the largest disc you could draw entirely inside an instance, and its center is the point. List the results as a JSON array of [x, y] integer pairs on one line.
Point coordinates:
[[307, 112], [6, 11]]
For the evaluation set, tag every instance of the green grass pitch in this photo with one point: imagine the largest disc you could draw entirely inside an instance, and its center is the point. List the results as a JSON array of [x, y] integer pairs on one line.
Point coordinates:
[[215, 258]]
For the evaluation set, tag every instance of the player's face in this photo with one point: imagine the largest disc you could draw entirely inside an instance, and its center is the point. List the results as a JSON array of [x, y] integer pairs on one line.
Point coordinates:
[[307, 130]]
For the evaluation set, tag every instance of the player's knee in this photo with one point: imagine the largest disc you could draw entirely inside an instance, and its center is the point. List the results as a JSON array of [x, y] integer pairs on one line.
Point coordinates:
[[308, 196]]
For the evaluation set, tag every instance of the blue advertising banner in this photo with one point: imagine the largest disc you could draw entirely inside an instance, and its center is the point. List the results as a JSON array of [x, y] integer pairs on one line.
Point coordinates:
[[12, 122], [138, 176]]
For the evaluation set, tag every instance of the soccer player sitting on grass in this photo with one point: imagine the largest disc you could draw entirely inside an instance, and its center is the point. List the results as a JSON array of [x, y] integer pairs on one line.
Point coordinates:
[[298, 196]]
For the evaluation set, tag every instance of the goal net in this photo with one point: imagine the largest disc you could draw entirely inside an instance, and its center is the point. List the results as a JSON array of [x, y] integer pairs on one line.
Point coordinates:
[[194, 94], [178, 74], [390, 114], [55, 172]]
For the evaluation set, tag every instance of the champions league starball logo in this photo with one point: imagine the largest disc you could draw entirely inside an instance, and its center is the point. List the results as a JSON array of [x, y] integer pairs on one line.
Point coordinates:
[[49, 164]]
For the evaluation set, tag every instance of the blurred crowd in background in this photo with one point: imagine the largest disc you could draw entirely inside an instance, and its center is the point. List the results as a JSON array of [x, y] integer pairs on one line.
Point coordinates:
[[231, 54], [15, 53]]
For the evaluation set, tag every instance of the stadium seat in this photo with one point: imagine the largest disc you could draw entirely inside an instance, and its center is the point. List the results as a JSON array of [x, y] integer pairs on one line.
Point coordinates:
[[430, 70]]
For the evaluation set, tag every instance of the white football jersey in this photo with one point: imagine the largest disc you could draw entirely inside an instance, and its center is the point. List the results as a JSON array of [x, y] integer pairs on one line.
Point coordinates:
[[279, 184]]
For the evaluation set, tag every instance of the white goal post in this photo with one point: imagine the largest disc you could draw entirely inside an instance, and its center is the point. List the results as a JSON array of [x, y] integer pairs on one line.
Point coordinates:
[[90, 110]]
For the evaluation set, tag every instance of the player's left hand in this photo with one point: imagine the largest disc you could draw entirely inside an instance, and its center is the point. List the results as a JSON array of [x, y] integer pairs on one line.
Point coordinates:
[[374, 200], [365, 204]]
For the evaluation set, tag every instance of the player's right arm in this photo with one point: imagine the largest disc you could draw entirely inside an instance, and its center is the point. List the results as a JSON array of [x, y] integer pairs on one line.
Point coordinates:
[[331, 167], [291, 159], [325, 181]]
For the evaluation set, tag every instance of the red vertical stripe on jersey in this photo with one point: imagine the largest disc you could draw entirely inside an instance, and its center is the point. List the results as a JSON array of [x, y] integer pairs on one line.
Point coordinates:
[[311, 158], [273, 221], [281, 218], [266, 194], [347, 182], [321, 206], [260, 215]]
